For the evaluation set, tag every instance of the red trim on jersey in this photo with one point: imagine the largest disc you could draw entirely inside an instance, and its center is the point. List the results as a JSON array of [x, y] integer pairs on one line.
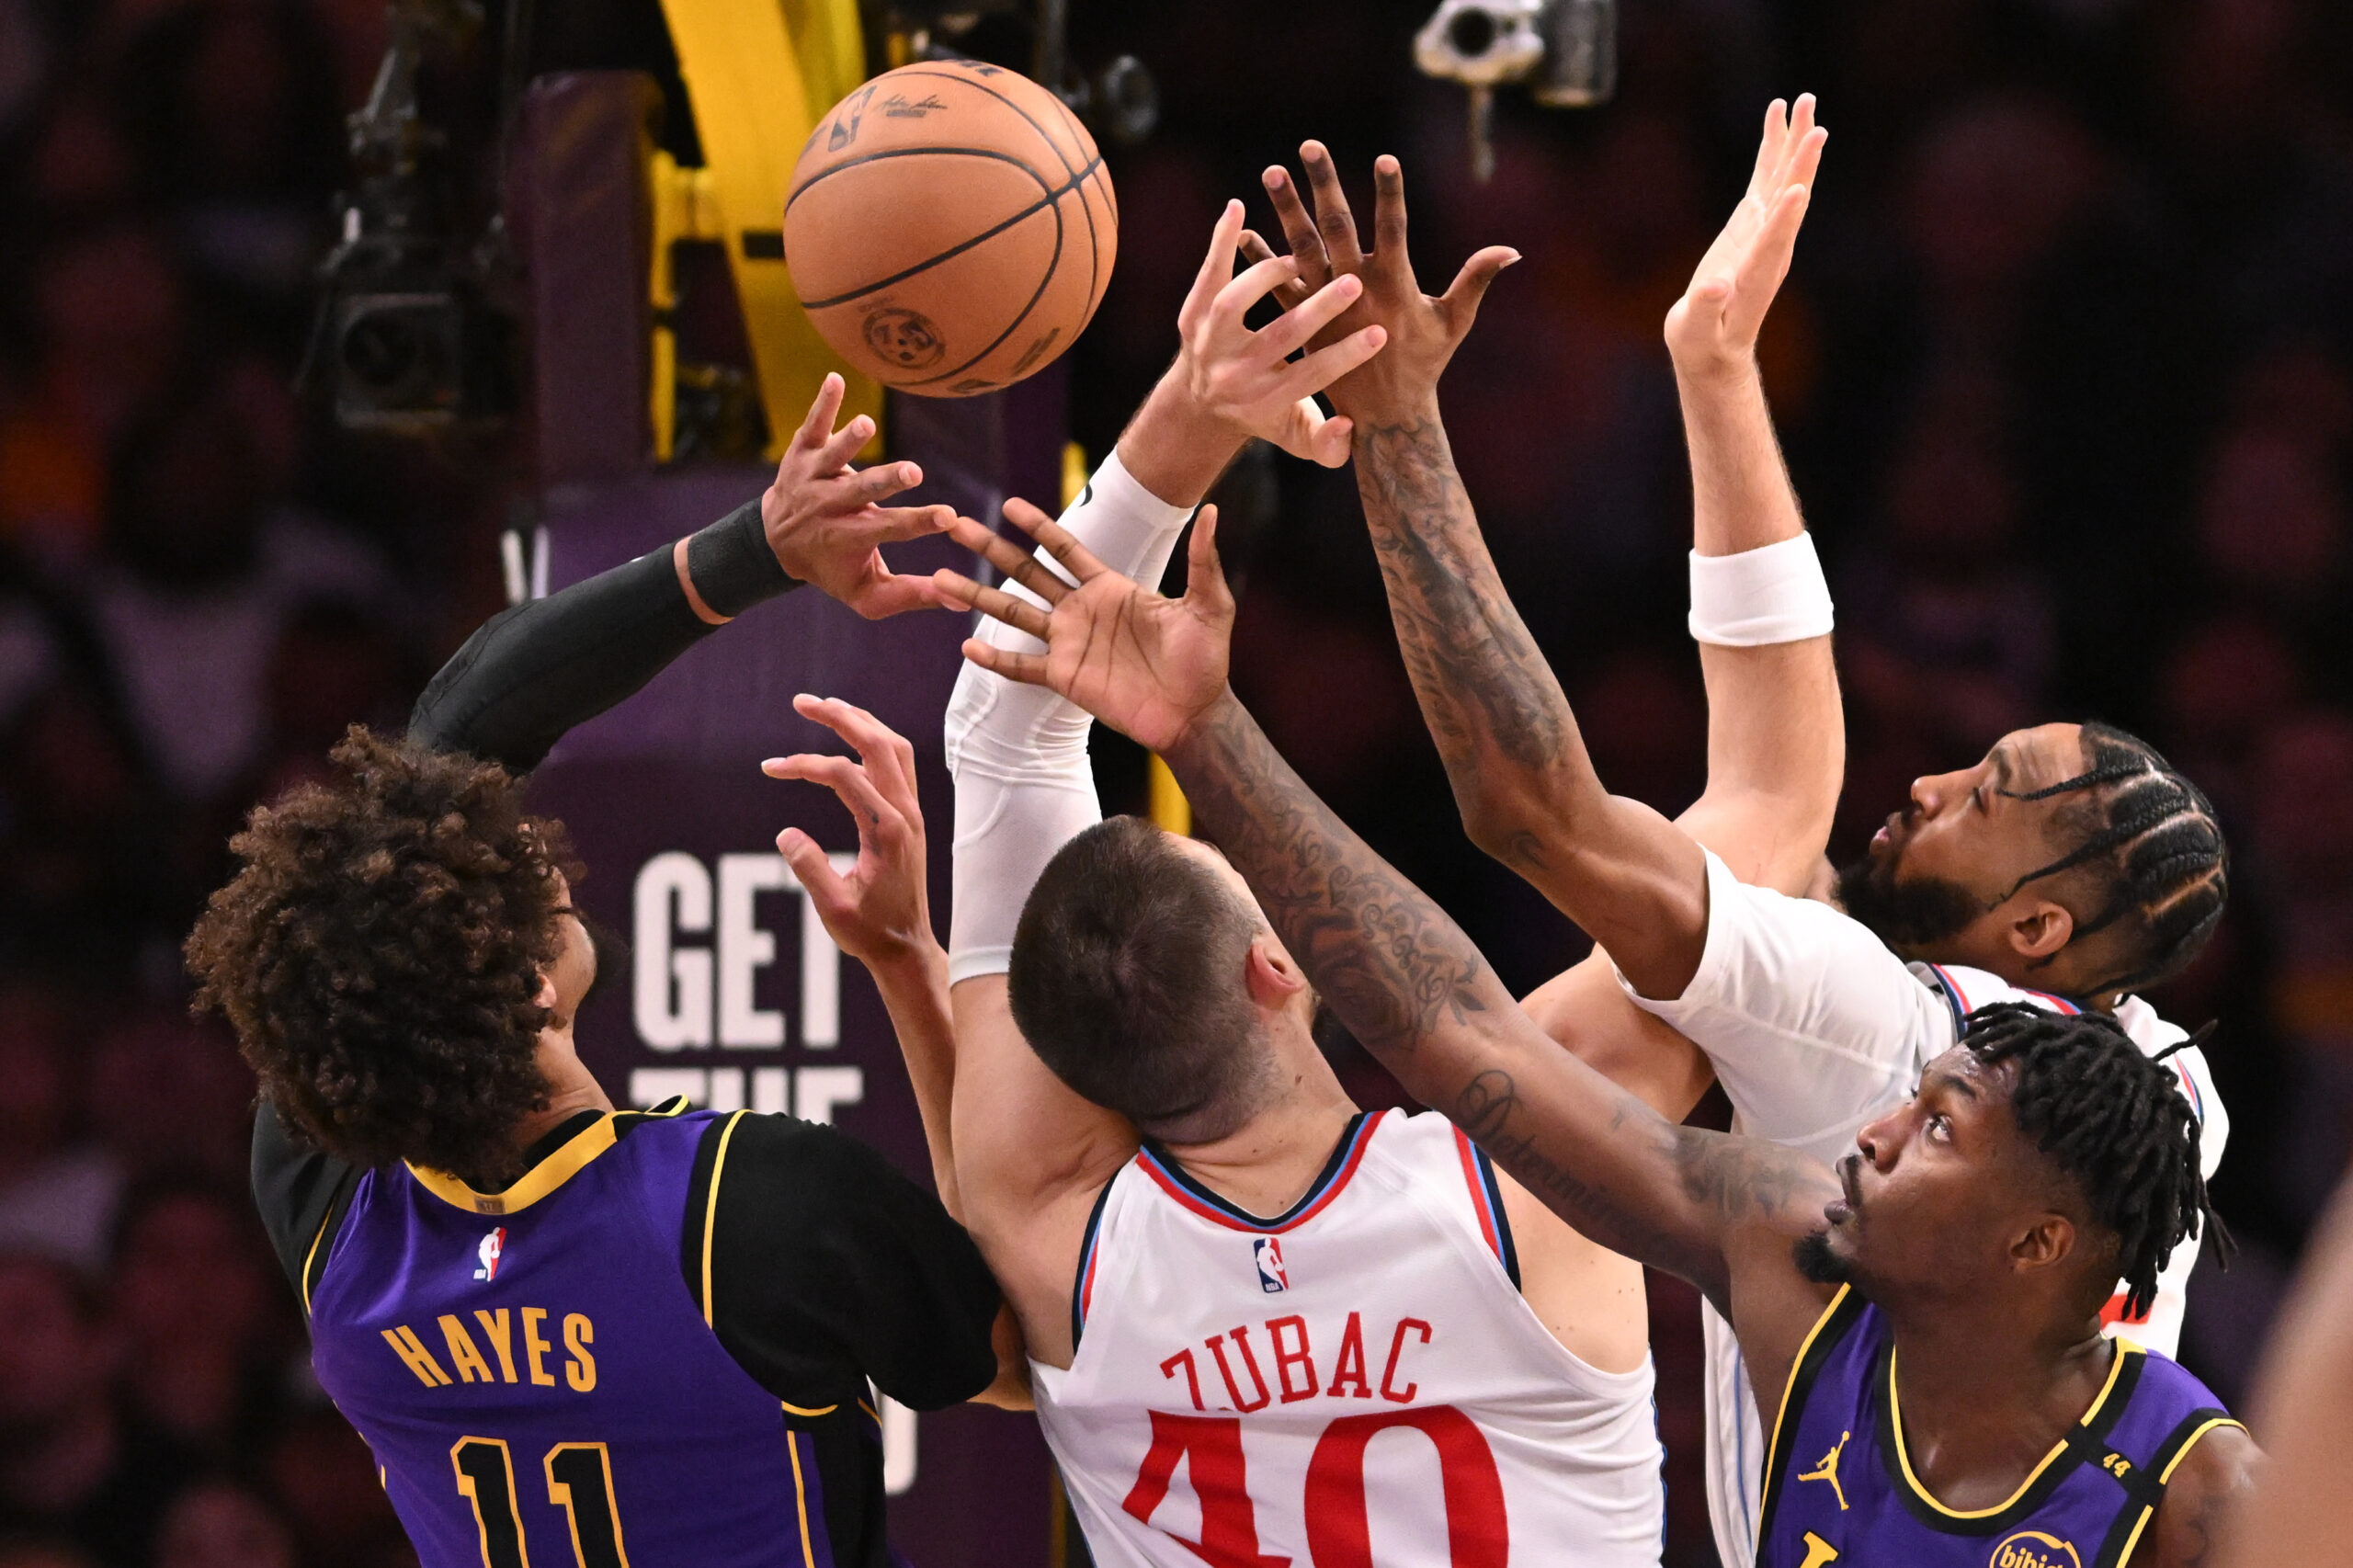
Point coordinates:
[[2190, 1088], [1180, 1187], [1478, 1185], [2114, 1311], [2058, 1004]]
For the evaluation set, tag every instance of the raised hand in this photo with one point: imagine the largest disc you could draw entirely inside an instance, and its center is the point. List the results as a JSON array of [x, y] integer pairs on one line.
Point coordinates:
[[879, 911], [1146, 665], [1424, 330], [1711, 330], [1246, 379], [825, 519]]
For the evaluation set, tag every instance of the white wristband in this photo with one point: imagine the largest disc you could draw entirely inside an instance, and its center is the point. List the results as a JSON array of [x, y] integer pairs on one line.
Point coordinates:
[[1024, 786], [1775, 594]]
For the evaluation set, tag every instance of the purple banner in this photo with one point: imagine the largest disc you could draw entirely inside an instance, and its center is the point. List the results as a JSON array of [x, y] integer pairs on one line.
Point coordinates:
[[736, 997]]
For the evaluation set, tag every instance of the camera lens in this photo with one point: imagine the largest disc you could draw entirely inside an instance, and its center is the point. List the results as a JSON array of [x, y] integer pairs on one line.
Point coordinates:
[[1472, 33], [380, 350]]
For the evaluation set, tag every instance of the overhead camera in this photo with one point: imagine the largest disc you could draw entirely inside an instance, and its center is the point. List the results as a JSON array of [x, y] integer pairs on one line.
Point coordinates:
[[1567, 51], [1119, 102], [404, 340]]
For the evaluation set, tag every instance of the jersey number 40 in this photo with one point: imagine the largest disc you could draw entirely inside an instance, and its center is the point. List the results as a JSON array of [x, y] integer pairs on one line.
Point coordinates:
[[1339, 1532]]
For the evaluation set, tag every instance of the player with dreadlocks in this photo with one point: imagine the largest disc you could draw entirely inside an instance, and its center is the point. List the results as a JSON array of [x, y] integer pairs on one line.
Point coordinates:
[[1928, 1322], [2069, 868]]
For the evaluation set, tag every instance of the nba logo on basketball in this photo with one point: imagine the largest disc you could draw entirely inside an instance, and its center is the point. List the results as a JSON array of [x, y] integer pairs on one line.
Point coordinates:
[[492, 1245], [1269, 1253]]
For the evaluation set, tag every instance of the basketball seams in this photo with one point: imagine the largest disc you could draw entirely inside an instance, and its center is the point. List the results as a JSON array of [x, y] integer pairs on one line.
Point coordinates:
[[980, 86], [1052, 200], [1095, 279], [1073, 154], [1044, 185], [1045, 282], [1052, 197]]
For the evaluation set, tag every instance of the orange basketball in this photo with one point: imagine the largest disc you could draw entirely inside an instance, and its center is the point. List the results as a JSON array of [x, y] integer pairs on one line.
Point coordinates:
[[951, 227]]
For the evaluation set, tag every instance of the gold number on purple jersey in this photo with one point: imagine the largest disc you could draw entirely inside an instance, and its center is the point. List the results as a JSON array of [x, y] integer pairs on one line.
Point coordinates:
[[580, 1481], [486, 1479]]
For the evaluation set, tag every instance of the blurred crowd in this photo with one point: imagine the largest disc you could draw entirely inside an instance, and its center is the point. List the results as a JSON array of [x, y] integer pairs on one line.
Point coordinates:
[[2066, 375]]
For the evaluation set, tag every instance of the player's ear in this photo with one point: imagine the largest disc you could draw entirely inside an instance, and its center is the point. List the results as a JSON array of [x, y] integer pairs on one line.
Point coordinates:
[[2039, 928], [1272, 974], [2046, 1243]]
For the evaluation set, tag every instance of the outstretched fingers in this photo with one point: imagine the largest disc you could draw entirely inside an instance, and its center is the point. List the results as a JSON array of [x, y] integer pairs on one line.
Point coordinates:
[[1289, 292], [896, 524], [1217, 267], [1058, 541], [1290, 331], [994, 602], [1299, 229], [1029, 669], [1204, 574], [891, 593], [889, 759], [1459, 305], [1234, 301], [872, 486], [1009, 559], [822, 412], [1318, 370], [881, 823], [1334, 223], [1389, 217], [834, 451]]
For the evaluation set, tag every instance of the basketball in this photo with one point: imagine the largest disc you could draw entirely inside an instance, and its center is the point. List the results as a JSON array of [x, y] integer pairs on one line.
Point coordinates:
[[951, 227]]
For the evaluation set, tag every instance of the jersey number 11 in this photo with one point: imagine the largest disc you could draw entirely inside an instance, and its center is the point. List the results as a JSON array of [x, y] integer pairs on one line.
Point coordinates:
[[580, 1481]]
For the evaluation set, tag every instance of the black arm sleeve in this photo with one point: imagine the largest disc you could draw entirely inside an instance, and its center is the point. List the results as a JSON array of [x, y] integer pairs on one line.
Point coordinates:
[[533, 672], [828, 1266], [298, 1191]]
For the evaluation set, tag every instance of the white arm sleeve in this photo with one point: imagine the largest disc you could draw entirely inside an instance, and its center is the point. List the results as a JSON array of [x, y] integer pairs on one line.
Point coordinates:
[[1813, 1025], [1024, 786]]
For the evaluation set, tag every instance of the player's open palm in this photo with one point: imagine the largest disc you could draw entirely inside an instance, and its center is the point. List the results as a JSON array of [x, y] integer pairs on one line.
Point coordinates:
[[826, 522], [1147, 665], [1248, 380], [1712, 328], [1424, 330], [879, 910]]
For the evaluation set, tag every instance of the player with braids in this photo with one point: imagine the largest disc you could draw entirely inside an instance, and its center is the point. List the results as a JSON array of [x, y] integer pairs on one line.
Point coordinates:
[[1923, 1327], [2114, 1120], [2063, 869], [2170, 870]]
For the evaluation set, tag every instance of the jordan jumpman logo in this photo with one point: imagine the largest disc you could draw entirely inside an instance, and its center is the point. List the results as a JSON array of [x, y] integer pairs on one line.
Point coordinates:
[[1828, 1470]]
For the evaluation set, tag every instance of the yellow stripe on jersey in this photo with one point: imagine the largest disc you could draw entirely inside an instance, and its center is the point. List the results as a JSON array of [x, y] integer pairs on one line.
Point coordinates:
[[710, 1214], [2124, 1348]]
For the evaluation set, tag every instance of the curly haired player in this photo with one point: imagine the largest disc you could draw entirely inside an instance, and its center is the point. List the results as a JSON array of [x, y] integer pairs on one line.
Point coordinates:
[[556, 1323]]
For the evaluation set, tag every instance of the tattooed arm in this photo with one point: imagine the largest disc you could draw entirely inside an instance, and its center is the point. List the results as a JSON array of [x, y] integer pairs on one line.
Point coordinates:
[[1398, 972], [1527, 788]]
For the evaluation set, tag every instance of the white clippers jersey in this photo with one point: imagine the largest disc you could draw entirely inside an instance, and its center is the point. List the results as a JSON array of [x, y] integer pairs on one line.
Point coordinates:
[[1736, 1446], [1356, 1383]]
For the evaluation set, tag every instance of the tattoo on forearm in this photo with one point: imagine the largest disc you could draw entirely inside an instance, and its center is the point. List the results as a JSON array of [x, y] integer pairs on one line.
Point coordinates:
[[1400, 975], [1388, 959], [1484, 686], [1729, 1181]]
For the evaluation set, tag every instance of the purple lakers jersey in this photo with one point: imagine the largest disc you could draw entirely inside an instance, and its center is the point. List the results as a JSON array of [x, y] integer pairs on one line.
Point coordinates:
[[1839, 1487], [538, 1380]]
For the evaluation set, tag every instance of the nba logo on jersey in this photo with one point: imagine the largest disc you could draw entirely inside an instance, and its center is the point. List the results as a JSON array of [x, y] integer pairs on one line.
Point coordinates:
[[1269, 1253], [492, 1245]]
